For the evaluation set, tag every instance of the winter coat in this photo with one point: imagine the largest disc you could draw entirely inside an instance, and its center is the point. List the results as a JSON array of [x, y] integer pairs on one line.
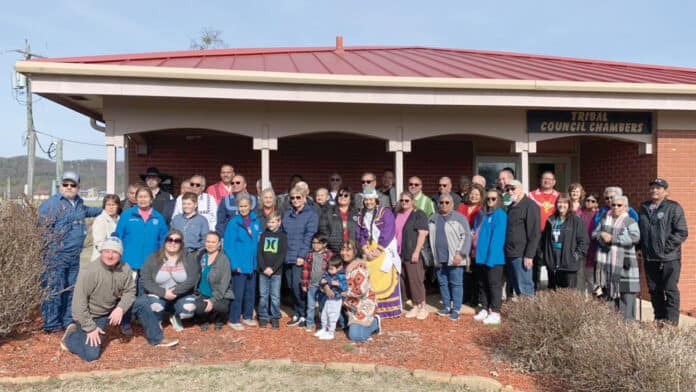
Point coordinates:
[[241, 243], [219, 277], [102, 227], [662, 231], [626, 276], [574, 246], [140, 238], [162, 204], [148, 275], [458, 236], [227, 209], [64, 225], [299, 227], [331, 225], [491, 228]]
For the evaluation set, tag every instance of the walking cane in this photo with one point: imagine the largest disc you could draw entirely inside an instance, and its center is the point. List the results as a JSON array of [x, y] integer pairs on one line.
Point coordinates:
[[640, 291]]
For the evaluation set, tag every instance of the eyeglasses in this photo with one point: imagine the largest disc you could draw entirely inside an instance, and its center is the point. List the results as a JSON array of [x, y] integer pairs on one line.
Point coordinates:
[[608, 197], [617, 205], [344, 195], [442, 185], [405, 200], [510, 189], [335, 180], [236, 182], [491, 199], [367, 181], [295, 197], [174, 240], [413, 184], [69, 185], [195, 185], [445, 202], [590, 201]]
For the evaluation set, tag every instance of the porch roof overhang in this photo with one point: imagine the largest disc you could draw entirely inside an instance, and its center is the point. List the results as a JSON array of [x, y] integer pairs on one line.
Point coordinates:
[[83, 87]]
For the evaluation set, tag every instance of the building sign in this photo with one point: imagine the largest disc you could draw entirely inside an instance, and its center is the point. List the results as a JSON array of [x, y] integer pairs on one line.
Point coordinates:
[[589, 122]]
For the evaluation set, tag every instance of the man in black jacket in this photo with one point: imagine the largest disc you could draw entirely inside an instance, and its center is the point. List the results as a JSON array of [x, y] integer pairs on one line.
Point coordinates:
[[662, 231], [521, 239]]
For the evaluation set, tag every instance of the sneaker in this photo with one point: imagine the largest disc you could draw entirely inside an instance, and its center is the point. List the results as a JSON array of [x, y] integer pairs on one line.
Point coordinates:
[[263, 323], [275, 324], [379, 325], [236, 326], [412, 313], [454, 316], [68, 331], [302, 323], [309, 328], [250, 323], [218, 326], [492, 319], [482, 314], [176, 323], [423, 313], [444, 312], [127, 330], [205, 326], [319, 333], [294, 321], [327, 335], [168, 343]]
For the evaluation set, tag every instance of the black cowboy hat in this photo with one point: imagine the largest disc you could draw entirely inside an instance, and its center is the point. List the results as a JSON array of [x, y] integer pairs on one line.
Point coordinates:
[[152, 172]]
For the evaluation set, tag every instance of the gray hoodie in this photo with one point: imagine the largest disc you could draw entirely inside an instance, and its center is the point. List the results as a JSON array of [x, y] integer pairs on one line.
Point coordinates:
[[457, 232]]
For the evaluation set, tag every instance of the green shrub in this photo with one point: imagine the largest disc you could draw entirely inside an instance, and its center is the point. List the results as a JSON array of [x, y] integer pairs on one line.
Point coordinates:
[[589, 346], [21, 265]]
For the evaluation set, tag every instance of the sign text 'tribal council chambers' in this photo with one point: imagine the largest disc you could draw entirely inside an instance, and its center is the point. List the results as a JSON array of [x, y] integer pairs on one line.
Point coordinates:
[[589, 122]]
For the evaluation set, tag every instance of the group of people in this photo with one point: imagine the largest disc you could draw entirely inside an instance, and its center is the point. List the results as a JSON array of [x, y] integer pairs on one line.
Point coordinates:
[[219, 254]]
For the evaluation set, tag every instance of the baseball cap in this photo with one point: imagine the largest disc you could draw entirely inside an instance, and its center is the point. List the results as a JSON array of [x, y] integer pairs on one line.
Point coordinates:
[[659, 182], [515, 184], [71, 176], [112, 243]]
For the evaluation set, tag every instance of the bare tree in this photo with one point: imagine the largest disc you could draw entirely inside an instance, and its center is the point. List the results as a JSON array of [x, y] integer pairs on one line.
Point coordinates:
[[209, 38]]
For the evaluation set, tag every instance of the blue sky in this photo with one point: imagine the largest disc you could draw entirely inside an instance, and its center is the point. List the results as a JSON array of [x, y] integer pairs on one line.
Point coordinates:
[[635, 31]]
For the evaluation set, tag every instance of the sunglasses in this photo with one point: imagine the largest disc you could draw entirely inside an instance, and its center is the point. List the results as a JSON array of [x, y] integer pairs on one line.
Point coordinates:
[[590, 201], [295, 197], [344, 195], [69, 185], [236, 182], [405, 201], [367, 181], [411, 184], [335, 180], [491, 199], [608, 197], [442, 185], [617, 205], [195, 185], [174, 240], [510, 188], [445, 202]]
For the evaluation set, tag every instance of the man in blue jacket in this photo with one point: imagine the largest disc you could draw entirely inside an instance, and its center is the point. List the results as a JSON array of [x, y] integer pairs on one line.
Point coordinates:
[[63, 218], [228, 206]]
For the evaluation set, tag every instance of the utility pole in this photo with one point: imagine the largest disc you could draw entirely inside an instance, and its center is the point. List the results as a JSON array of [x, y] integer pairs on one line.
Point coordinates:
[[31, 136], [59, 160]]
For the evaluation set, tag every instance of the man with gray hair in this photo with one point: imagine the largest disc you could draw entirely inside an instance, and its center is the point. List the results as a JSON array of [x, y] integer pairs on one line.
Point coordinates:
[[609, 193], [369, 179], [207, 207], [444, 186], [521, 239]]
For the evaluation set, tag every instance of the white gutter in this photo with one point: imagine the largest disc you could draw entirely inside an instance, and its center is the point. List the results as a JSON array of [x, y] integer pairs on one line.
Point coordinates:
[[148, 72]]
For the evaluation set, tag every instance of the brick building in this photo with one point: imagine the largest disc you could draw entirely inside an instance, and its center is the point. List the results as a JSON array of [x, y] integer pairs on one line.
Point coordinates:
[[422, 111]]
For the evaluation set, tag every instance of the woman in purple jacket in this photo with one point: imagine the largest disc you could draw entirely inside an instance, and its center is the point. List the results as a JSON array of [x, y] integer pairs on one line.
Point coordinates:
[[376, 234]]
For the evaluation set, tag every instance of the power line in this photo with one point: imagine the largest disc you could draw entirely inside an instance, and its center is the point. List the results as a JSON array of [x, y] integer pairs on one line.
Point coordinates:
[[70, 140]]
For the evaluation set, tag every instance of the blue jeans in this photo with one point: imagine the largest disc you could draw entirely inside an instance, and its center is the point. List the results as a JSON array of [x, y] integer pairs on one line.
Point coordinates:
[[76, 341], [150, 309], [59, 280], [244, 288], [451, 280], [360, 333], [314, 295], [520, 277], [269, 288], [139, 291], [293, 278]]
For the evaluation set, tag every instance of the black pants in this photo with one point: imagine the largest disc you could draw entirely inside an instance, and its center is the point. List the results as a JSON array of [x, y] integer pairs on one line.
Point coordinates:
[[471, 284], [218, 314], [562, 279], [662, 279], [491, 286]]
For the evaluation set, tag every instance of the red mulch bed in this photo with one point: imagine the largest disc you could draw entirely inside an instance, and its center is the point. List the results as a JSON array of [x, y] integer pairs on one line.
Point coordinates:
[[434, 344]]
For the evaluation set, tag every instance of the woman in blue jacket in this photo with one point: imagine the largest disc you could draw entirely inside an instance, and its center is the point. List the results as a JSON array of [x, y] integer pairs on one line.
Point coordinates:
[[240, 244], [489, 238], [142, 230]]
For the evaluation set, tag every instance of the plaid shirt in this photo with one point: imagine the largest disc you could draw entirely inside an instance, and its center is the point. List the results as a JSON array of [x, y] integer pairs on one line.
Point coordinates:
[[326, 255]]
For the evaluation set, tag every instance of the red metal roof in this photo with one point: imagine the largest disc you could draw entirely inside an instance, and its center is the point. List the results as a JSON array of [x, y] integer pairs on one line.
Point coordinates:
[[403, 61]]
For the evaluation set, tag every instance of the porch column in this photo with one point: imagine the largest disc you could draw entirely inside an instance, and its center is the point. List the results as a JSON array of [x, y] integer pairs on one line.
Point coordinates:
[[112, 143], [398, 147], [265, 145], [524, 148]]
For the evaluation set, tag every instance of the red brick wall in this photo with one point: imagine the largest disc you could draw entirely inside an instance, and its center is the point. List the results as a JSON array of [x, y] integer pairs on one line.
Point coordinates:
[[676, 163], [431, 159]]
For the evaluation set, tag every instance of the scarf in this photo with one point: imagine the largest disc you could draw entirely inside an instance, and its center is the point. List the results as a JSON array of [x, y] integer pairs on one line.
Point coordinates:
[[608, 270]]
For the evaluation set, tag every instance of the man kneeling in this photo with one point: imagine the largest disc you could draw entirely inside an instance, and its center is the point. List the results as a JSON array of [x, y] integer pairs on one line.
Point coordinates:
[[105, 290]]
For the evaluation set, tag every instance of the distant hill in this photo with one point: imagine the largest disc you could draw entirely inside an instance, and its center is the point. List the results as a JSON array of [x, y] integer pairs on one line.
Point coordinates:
[[92, 174]]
